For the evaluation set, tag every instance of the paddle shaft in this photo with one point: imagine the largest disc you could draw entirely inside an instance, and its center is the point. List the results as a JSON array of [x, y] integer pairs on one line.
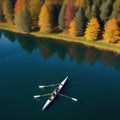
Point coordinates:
[[68, 97], [44, 95], [65, 96], [49, 85]]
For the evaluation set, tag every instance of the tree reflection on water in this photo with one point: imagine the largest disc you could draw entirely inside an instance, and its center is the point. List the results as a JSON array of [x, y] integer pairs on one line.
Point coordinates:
[[76, 52]]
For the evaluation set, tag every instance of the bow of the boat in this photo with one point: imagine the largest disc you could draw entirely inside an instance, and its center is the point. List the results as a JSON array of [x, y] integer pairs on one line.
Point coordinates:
[[64, 81]]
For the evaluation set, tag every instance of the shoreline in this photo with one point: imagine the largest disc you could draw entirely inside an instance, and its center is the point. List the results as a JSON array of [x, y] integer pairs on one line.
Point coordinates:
[[61, 37]]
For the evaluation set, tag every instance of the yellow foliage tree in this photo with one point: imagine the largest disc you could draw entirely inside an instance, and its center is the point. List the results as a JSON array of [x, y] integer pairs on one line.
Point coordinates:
[[92, 30], [73, 29], [78, 3], [45, 20], [112, 31]]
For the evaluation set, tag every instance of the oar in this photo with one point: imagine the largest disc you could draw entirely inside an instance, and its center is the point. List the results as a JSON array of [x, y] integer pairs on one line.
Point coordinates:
[[74, 99], [37, 96], [43, 86]]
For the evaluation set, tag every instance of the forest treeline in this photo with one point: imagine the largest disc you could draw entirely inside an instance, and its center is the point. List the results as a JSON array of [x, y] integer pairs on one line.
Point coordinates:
[[93, 19]]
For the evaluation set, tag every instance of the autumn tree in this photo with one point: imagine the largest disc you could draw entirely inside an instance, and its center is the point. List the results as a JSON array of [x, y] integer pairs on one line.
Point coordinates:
[[61, 18], [34, 8], [92, 29], [69, 13], [45, 20], [23, 20], [78, 3], [112, 32], [73, 29], [8, 10], [80, 21], [18, 6]]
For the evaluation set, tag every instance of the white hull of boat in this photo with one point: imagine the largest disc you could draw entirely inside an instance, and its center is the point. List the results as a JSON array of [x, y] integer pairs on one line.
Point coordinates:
[[52, 98]]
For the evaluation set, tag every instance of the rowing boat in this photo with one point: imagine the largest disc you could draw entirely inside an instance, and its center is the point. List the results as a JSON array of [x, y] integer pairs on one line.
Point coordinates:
[[54, 94]]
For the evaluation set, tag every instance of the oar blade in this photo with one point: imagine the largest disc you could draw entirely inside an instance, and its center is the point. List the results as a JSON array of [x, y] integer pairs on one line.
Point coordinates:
[[74, 99], [41, 87], [36, 96], [45, 86]]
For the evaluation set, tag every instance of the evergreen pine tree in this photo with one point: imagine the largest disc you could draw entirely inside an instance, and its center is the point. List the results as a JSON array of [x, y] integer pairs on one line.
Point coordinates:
[[61, 18], [116, 10], [92, 29], [23, 20], [95, 10], [87, 4], [34, 8], [8, 10], [98, 2], [106, 10], [103, 2], [88, 12], [80, 22], [1, 13], [54, 11]]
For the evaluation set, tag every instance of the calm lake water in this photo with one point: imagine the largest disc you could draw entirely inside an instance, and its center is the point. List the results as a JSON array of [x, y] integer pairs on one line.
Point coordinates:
[[27, 62]]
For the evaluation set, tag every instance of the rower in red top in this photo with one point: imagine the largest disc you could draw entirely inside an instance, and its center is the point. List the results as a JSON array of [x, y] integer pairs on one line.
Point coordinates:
[[54, 94]]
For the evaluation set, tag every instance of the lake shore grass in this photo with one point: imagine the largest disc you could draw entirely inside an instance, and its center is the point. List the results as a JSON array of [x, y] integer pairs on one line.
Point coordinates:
[[100, 44]]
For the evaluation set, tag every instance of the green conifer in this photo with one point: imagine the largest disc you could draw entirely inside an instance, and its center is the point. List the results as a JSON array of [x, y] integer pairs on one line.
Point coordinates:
[[61, 19], [88, 12], [23, 20], [95, 10], [106, 10], [34, 8], [80, 22], [116, 10], [8, 10], [1, 14]]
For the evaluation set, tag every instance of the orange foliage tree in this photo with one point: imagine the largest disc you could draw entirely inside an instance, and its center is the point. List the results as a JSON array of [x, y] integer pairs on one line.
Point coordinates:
[[18, 6], [92, 29], [73, 29], [45, 20], [112, 31]]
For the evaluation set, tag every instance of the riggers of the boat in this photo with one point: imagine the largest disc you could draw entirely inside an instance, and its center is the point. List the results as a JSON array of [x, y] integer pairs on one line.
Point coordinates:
[[54, 94]]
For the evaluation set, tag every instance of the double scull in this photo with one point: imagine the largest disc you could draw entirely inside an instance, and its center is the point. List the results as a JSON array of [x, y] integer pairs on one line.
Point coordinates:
[[54, 94]]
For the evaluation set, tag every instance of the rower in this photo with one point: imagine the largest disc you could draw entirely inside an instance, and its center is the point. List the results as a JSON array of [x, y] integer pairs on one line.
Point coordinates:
[[57, 90], [54, 94]]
